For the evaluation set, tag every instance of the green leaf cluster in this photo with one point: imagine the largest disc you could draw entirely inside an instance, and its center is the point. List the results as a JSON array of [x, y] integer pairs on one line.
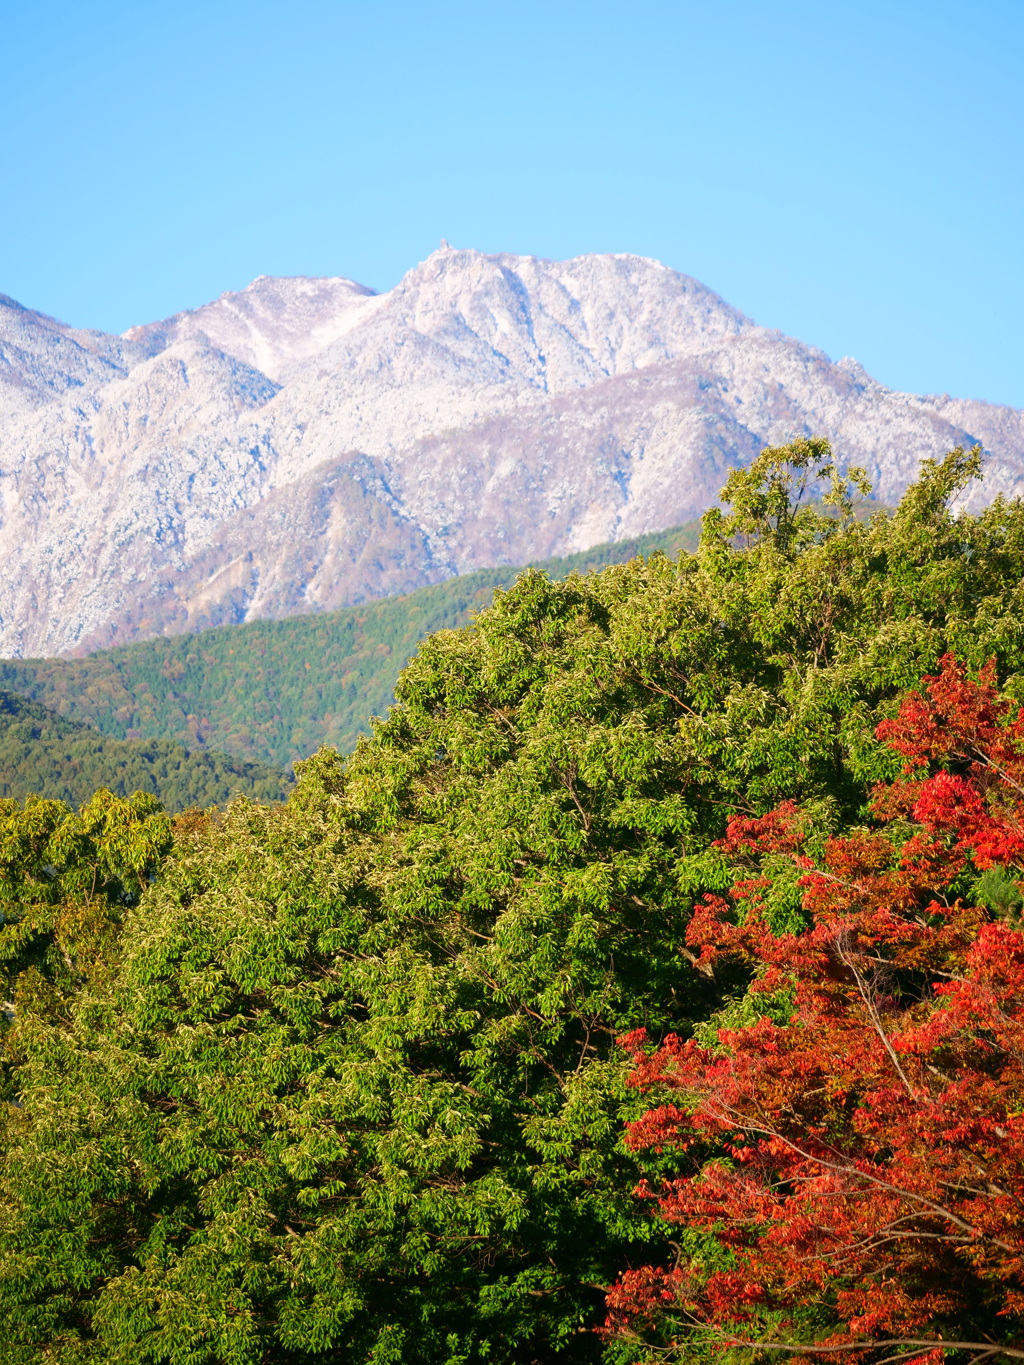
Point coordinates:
[[351, 1090], [66, 879]]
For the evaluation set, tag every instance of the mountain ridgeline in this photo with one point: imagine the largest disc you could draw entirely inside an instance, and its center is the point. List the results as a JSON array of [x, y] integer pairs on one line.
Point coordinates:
[[269, 692], [304, 445]]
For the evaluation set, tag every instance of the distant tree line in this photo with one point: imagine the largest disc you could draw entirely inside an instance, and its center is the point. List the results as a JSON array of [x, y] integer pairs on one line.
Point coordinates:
[[44, 755], [273, 692]]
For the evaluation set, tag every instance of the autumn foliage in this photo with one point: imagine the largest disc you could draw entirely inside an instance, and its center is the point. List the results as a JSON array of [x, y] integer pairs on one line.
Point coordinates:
[[851, 1162]]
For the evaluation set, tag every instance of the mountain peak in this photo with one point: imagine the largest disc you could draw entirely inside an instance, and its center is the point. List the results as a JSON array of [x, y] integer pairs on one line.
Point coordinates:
[[272, 324], [304, 443]]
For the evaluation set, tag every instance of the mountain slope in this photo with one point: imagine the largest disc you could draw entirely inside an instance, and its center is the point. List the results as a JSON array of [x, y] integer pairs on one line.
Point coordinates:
[[274, 691], [307, 444], [43, 754], [269, 326], [42, 360]]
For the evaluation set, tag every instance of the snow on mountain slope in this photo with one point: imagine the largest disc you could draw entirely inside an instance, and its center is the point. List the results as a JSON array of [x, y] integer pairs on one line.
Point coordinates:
[[270, 325], [306, 443], [41, 359]]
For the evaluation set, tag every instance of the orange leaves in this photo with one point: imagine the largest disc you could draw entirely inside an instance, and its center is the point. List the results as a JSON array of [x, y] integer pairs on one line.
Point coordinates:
[[980, 734], [782, 830], [957, 719], [860, 1169]]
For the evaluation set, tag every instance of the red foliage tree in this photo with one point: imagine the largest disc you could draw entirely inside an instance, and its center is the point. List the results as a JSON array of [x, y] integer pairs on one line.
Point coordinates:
[[853, 1183]]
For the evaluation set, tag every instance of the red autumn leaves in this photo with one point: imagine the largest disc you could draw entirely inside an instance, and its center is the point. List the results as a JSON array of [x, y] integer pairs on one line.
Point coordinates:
[[851, 1180]]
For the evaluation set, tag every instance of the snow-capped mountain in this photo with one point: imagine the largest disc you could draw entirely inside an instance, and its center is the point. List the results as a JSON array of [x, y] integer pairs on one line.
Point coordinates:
[[303, 444]]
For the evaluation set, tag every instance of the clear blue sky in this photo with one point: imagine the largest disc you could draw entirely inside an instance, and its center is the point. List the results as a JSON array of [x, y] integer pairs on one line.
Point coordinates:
[[851, 173]]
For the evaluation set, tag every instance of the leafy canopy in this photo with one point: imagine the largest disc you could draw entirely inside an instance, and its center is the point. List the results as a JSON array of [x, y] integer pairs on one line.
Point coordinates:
[[852, 1170], [350, 1089]]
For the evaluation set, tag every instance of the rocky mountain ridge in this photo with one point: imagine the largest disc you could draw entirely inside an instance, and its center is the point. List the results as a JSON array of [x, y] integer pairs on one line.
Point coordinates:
[[306, 444]]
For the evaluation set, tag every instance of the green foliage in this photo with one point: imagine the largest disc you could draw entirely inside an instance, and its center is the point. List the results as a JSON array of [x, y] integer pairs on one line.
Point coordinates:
[[44, 755], [66, 879], [999, 892], [272, 692], [768, 498], [352, 1092]]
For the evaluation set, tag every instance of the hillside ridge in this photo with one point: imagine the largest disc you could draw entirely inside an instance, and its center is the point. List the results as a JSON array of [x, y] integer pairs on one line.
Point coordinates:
[[48, 755], [273, 691]]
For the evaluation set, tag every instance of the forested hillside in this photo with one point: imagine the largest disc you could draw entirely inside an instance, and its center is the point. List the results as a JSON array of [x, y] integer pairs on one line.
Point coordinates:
[[44, 755], [647, 986], [273, 691]]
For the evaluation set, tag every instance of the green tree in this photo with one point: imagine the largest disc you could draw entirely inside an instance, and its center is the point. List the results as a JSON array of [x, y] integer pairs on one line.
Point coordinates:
[[66, 879]]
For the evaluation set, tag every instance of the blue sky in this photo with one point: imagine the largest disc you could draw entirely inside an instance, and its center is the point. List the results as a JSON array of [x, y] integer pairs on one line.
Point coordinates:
[[849, 173]]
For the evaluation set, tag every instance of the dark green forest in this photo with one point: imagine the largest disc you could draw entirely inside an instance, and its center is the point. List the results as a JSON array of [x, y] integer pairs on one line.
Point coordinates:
[[272, 692], [340, 1079], [43, 754]]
